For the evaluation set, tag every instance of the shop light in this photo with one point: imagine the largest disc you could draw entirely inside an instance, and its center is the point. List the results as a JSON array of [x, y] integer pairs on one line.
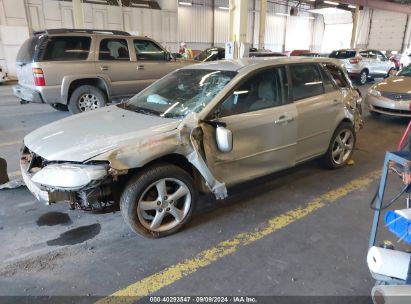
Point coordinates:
[[224, 8], [332, 3], [185, 3]]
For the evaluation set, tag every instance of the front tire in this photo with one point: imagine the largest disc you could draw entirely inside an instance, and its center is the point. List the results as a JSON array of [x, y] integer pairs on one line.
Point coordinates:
[[158, 201], [86, 98], [363, 77], [391, 72], [341, 146]]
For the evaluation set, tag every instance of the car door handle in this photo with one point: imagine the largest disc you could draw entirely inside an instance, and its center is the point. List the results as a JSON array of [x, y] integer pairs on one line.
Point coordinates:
[[140, 67], [283, 119], [104, 68]]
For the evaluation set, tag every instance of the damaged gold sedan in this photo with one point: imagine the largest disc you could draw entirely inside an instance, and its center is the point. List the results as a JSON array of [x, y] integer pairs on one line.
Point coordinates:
[[201, 128]]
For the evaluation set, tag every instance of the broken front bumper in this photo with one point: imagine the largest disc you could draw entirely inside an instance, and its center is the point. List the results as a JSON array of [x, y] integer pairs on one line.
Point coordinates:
[[43, 196]]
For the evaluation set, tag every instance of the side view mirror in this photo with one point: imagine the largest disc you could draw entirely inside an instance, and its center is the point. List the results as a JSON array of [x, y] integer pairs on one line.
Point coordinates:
[[224, 138]]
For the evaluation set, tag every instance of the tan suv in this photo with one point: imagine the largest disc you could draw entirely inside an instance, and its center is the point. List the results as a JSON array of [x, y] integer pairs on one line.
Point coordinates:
[[81, 70]]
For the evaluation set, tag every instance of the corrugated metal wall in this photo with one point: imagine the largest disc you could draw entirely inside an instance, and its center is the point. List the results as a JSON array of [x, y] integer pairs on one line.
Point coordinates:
[[195, 23]]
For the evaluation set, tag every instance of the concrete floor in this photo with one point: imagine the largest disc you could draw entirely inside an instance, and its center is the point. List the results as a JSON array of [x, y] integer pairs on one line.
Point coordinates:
[[50, 250]]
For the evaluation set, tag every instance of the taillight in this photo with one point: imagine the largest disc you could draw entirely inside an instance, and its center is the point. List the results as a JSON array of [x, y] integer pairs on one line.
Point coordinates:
[[39, 77], [355, 60]]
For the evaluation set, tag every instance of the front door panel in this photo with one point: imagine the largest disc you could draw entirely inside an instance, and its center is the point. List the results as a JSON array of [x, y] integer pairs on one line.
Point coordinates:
[[263, 142]]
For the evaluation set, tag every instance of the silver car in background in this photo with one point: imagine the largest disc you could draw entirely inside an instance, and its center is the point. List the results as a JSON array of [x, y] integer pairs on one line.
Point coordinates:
[[392, 96], [201, 128], [81, 70], [362, 64]]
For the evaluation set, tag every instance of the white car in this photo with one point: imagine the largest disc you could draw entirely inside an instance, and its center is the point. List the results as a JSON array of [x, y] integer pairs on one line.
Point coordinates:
[[362, 64]]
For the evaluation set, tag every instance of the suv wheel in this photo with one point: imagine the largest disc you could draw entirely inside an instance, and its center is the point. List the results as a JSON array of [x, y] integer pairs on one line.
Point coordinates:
[[59, 107], [341, 146], [158, 201], [363, 77], [392, 72], [86, 98]]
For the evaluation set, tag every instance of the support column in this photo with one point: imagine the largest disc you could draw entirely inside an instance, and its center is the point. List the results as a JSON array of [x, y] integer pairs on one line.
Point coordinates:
[[238, 22], [354, 33], [78, 14], [261, 28]]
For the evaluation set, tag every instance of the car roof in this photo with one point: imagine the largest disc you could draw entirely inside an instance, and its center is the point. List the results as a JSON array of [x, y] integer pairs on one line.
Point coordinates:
[[258, 62]]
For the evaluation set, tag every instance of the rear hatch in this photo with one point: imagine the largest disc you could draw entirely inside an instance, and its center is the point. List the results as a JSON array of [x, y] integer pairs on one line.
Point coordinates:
[[346, 56], [27, 55]]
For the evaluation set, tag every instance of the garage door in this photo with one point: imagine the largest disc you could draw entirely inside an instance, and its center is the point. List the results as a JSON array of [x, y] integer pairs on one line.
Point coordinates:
[[338, 28], [387, 30]]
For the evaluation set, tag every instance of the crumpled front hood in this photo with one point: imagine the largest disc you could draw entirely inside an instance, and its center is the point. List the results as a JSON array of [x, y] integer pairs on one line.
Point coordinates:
[[84, 136], [397, 84]]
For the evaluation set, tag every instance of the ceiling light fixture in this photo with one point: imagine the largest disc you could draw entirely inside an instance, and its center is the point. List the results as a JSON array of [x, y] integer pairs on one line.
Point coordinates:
[[351, 6], [224, 8], [332, 3], [185, 3]]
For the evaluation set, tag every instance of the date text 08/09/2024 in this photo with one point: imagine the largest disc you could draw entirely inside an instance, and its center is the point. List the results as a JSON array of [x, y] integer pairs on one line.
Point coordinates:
[[205, 299]]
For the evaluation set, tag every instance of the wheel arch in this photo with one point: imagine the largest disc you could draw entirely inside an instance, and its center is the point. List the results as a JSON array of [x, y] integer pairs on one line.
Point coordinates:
[[70, 84], [177, 160]]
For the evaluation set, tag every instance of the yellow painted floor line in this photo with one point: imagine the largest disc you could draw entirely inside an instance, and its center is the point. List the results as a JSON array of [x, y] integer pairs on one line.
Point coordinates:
[[14, 173], [10, 143], [168, 276]]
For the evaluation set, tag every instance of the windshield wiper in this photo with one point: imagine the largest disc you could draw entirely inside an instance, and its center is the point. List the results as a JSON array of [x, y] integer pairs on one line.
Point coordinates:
[[143, 110]]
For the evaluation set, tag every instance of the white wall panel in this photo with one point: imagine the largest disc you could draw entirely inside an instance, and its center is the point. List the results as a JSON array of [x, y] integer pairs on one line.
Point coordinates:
[[364, 23], [195, 24], [386, 34], [317, 34], [222, 27], [298, 34], [11, 39]]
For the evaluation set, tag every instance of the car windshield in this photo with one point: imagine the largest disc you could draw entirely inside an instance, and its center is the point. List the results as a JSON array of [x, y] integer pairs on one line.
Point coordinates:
[[405, 71], [207, 54], [180, 93], [342, 54]]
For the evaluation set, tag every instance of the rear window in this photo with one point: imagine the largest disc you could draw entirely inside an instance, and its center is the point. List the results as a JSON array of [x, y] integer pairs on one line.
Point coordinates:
[[342, 54], [28, 49], [306, 81], [66, 48]]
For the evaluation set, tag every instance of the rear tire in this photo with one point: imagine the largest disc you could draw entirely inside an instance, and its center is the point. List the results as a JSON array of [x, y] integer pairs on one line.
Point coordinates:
[[363, 77], [86, 98], [59, 107], [158, 201], [341, 146]]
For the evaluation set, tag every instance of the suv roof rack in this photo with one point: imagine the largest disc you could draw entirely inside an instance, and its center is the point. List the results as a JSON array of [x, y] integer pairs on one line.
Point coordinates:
[[88, 31]]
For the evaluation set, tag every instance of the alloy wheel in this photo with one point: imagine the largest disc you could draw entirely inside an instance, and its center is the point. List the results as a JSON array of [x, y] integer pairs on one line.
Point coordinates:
[[343, 146], [164, 204], [364, 77], [88, 102]]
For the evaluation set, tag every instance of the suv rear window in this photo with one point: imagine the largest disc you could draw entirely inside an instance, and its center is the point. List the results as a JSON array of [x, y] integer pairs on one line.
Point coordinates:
[[27, 51], [66, 48], [342, 54]]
